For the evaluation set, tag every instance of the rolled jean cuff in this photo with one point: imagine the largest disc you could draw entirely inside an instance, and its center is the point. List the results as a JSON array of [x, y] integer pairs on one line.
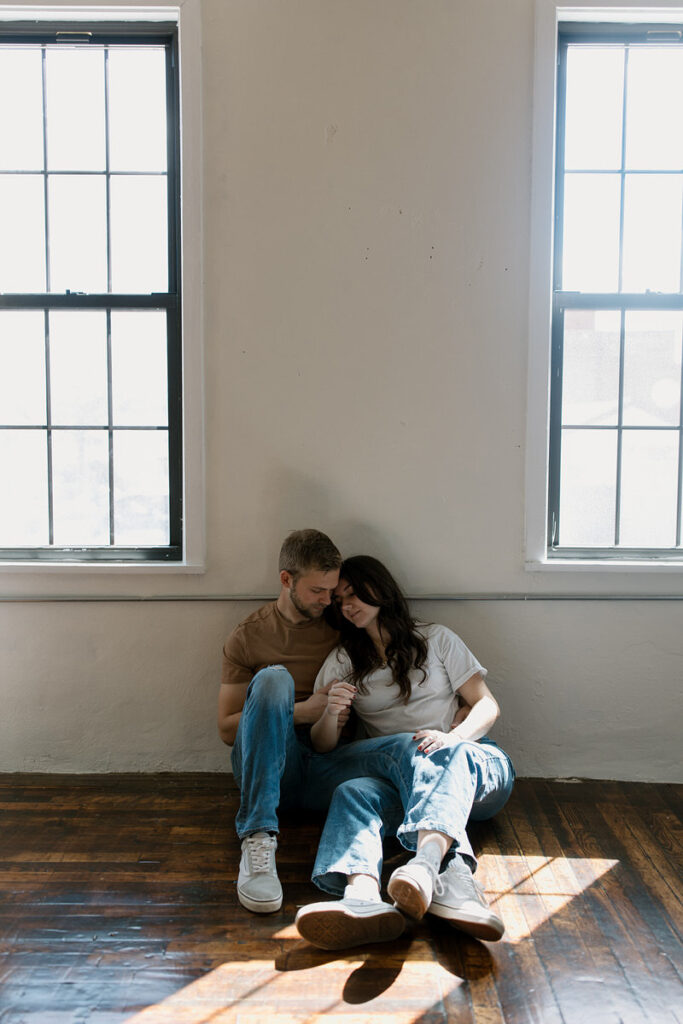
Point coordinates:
[[253, 829], [332, 882], [335, 879]]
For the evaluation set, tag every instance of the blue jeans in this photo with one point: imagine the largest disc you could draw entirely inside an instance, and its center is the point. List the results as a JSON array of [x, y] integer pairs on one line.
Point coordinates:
[[467, 782], [276, 767]]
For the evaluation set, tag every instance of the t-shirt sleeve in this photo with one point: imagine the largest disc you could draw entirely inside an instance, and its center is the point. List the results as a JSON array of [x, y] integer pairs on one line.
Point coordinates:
[[335, 666], [456, 657], [236, 667]]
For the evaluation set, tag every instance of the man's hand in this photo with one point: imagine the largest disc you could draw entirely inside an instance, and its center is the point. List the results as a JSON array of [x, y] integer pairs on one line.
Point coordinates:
[[461, 714], [308, 711]]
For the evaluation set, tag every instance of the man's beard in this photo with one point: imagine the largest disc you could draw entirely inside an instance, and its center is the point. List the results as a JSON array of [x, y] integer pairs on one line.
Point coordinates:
[[308, 611]]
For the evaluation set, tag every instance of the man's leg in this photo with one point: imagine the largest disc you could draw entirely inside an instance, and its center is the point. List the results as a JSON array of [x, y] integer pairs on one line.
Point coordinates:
[[268, 764], [267, 760], [349, 863]]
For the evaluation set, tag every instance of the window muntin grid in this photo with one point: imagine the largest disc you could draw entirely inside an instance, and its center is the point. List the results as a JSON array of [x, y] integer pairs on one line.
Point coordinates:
[[129, 417], [615, 475]]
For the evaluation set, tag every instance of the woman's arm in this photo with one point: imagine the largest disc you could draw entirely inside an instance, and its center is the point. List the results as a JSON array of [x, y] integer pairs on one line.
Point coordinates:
[[325, 732], [483, 712]]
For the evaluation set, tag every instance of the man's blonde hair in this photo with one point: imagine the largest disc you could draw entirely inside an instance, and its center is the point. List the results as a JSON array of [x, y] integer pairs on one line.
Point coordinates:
[[308, 551]]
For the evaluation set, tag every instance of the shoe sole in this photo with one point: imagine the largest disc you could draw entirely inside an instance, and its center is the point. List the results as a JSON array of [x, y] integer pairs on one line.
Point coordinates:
[[337, 929], [407, 896], [259, 906], [475, 926]]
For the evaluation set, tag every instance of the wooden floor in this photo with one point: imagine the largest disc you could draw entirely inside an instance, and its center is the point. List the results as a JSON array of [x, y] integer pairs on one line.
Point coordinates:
[[118, 903]]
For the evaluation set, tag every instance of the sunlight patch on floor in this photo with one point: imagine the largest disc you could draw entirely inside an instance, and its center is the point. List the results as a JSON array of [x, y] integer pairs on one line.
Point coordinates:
[[526, 891], [302, 985]]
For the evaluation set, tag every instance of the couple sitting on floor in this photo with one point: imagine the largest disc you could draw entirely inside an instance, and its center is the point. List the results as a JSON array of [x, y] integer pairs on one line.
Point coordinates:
[[292, 677]]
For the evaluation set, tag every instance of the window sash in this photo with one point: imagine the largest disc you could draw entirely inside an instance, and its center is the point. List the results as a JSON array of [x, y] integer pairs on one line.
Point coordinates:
[[104, 34], [619, 301]]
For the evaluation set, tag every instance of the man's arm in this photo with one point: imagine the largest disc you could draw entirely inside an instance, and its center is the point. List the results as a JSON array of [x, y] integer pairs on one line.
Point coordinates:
[[231, 697]]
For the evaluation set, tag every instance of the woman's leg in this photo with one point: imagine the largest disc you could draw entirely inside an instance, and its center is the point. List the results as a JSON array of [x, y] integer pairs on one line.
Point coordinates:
[[362, 813], [479, 779], [450, 786], [349, 864]]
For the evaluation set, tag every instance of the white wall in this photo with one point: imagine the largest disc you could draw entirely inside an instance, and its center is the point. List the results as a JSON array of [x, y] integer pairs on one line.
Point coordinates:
[[366, 272]]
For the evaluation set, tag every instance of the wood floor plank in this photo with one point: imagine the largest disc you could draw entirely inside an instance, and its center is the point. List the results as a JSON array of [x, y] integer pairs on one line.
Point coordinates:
[[118, 903], [586, 838], [597, 970]]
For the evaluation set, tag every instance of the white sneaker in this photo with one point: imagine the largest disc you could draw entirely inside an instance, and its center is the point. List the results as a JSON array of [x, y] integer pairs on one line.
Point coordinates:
[[411, 886], [339, 924], [258, 887], [460, 900]]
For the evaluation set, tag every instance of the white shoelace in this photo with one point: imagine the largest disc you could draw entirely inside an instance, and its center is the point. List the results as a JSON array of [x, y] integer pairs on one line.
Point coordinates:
[[260, 849]]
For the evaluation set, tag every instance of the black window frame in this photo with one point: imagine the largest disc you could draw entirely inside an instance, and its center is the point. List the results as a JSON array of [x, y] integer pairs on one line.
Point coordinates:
[[600, 34], [86, 33]]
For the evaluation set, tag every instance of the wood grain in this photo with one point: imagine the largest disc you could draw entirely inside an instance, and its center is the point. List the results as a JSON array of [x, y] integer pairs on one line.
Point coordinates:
[[118, 903]]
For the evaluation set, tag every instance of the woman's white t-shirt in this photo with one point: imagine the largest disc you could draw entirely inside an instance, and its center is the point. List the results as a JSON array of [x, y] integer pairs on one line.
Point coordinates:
[[433, 702]]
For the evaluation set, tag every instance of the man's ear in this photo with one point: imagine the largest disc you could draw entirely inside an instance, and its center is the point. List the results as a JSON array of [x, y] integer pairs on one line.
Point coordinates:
[[286, 579]]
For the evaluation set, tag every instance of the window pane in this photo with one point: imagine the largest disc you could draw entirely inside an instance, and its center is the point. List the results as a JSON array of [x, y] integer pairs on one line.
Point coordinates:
[[137, 109], [78, 368], [654, 136], [652, 368], [22, 368], [23, 470], [591, 232], [139, 377], [21, 121], [80, 467], [141, 514], [595, 87], [75, 109], [652, 233], [139, 256], [649, 487], [78, 233], [590, 382], [587, 497], [22, 233]]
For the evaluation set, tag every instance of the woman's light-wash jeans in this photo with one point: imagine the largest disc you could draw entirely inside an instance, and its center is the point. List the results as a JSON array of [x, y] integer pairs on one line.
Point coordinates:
[[396, 789]]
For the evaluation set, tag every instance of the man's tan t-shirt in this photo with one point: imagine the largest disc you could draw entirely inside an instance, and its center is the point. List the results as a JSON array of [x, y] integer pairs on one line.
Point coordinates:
[[267, 638]]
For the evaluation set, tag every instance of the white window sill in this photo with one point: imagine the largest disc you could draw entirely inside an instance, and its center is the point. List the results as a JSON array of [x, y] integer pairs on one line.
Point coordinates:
[[102, 568], [602, 565]]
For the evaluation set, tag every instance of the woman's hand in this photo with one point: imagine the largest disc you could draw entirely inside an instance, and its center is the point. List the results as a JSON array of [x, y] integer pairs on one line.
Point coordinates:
[[433, 739], [339, 700]]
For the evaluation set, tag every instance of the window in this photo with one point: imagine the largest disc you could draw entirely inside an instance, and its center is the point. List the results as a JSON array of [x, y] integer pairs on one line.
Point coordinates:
[[616, 429], [90, 319]]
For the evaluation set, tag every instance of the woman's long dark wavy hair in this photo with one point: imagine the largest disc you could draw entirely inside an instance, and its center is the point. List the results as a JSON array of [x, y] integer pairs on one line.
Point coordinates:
[[407, 649]]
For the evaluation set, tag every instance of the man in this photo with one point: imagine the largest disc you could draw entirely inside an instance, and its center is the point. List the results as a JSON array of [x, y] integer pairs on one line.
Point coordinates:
[[266, 705]]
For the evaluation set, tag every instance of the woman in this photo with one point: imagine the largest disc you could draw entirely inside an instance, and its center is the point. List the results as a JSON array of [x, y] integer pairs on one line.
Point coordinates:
[[401, 677]]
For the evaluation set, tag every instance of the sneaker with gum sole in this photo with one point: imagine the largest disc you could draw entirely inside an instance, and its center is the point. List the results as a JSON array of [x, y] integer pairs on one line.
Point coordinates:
[[340, 924]]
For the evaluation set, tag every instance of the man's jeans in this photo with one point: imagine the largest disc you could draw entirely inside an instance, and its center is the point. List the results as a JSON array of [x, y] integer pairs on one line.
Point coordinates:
[[274, 767]]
